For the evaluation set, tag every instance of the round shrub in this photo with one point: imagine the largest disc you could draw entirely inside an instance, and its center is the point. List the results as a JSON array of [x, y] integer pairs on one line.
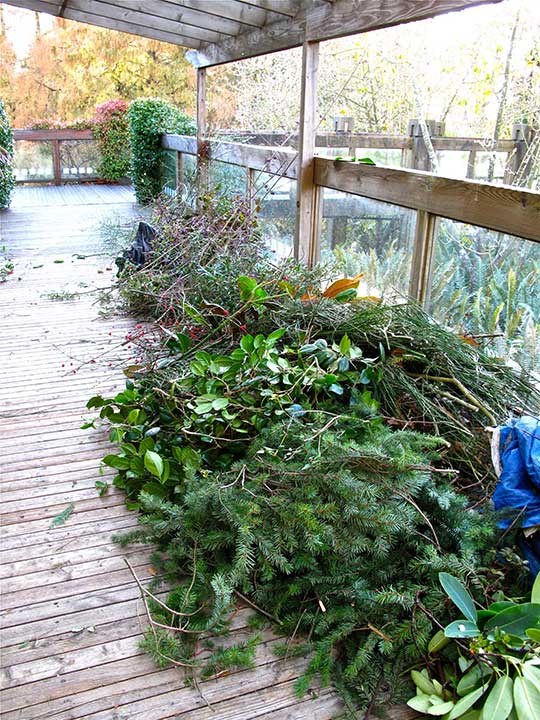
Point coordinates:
[[111, 130], [148, 119], [7, 178]]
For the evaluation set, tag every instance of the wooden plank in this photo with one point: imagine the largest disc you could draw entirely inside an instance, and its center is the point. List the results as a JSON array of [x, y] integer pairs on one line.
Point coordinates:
[[306, 227], [324, 21], [184, 25], [276, 161], [175, 38], [40, 135], [202, 153], [500, 208]]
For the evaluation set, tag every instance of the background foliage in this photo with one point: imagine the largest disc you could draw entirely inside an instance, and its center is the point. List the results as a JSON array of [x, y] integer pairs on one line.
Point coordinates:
[[111, 129], [148, 119], [7, 179]]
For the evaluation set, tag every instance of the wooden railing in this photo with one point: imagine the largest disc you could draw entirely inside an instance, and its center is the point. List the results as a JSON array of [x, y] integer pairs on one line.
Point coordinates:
[[60, 166], [497, 207]]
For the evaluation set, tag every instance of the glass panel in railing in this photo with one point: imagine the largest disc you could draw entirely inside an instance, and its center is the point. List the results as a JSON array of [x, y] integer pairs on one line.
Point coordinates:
[[370, 237], [187, 191], [79, 160], [169, 172], [274, 198], [227, 179], [33, 161], [486, 285]]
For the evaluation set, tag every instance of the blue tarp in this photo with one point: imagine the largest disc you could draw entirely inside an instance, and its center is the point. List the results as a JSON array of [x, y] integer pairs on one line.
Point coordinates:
[[518, 490]]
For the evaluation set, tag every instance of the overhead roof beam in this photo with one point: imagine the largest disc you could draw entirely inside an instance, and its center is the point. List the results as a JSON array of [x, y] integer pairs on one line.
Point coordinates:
[[322, 20]]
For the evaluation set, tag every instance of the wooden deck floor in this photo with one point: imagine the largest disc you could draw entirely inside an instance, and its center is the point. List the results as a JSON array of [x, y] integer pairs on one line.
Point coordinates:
[[71, 618]]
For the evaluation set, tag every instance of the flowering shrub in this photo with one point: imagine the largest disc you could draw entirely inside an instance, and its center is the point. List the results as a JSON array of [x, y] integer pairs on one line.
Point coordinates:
[[111, 130], [148, 120], [7, 178]]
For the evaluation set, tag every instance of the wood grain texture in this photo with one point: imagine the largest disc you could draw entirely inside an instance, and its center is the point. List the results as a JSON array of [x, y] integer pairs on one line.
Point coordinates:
[[500, 208], [321, 20]]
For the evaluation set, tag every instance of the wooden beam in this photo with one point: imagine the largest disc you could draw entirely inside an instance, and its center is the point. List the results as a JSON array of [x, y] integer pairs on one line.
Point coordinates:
[[320, 20], [276, 161], [51, 8], [240, 13], [305, 231], [33, 135], [130, 15], [280, 7], [501, 208]]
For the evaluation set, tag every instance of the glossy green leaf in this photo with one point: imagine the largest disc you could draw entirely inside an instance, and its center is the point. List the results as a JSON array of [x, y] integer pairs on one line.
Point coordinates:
[[500, 700], [466, 702], [526, 699], [459, 595], [438, 642], [535, 594], [440, 709], [420, 703], [423, 682], [153, 463], [461, 629], [117, 462], [478, 675], [515, 620], [533, 634], [532, 673]]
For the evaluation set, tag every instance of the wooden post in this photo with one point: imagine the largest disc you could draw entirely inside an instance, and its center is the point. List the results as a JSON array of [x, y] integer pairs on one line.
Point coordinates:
[[423, 254], [471, 162], [307, 231], [57, 165], [202, 159], [179, 171]]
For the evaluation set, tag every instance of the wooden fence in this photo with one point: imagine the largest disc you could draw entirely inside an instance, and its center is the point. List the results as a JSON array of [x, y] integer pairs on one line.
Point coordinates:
[[500, 208], [59, 162]]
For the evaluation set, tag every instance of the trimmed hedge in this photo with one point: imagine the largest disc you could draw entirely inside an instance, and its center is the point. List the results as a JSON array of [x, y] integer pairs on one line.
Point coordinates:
[[148, 120], [7, 178], [111, 130]]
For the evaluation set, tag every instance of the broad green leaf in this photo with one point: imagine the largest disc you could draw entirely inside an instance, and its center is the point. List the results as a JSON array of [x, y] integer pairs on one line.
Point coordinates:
[[459, 595], [535, 594], [155, 489], [532, 673], [246, 343], [276, 335], [500, 700], [423, 682], [466, 702], [153, 463], [117, 462], [420, 703], [515, 620], [441, 709], [438, 642], [476, 676], [526, 699], [95, 402], [533, 634], [219, 403], [461, 629]]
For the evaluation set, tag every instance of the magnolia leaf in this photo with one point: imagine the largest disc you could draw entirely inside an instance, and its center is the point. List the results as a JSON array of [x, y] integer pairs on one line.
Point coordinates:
[[500, 700], [532, 673], [526, 699], [459, 595], [533, 634], [153, 463], [340, 285], [423, 682]]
